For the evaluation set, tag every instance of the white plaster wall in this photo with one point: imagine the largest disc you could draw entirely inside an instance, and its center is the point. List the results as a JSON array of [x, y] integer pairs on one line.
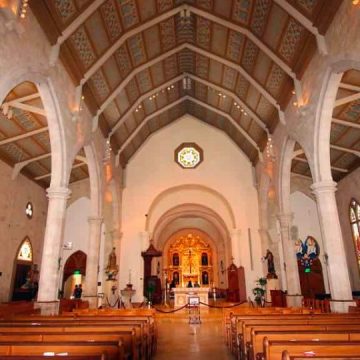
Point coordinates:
[[14, 225], [305, 217], [152, 170], [76, 228], [349, 188]]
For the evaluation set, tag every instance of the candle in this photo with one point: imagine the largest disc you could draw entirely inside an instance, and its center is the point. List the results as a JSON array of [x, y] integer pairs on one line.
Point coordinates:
[[130, 276]]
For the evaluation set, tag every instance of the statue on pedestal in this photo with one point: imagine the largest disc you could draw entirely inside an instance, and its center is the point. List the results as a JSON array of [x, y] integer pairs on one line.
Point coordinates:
[[112, 268], [270, 264]]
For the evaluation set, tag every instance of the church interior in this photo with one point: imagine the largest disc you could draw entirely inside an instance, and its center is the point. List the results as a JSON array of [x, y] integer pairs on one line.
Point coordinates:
[[180, 165]]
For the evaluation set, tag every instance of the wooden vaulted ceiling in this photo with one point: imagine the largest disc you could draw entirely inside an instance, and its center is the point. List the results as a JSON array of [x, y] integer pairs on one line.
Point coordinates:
[[345, 131], [130, 57]]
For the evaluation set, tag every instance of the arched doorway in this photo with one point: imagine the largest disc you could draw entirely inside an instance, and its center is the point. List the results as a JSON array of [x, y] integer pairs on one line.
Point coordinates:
[[74, 272], [25, 283]]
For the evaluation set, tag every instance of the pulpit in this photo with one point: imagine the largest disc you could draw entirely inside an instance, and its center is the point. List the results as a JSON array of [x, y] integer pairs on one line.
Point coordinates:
[[236, 280], [152, 287]]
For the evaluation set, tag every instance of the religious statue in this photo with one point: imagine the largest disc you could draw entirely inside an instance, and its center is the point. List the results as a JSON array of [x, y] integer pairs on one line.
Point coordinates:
[[112, 268], [270, 264]]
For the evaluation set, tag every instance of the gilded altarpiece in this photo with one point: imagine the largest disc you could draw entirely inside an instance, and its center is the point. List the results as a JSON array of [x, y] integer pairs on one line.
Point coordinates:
[[190, 260]]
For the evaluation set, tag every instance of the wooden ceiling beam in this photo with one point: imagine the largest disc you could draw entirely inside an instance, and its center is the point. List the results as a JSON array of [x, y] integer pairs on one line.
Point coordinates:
[[243, 72], [22, 99], [26, 107], [332, 167], [20, 165], [349, 87], [141, 99], [347, 99], [304, 21], [196, 101], [301, 175], [346, 123], [55, 50], [195, 49], [233, 96], [344, 149], [49, 174], [130, 76], [148, 118], [259, 43], [229, 117], [230, 94], [23, 136]]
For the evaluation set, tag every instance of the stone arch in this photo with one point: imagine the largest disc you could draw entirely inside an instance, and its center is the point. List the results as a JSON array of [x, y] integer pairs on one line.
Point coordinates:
[[210, 222], [55, 120], [284, 172], [323, 116], [176, 196]]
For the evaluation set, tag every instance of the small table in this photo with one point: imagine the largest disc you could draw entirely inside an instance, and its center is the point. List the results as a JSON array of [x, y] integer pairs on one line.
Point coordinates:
[[126, 295]]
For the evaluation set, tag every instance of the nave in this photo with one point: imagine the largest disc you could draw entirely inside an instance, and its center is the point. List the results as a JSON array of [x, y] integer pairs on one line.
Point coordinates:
[[177, 339]]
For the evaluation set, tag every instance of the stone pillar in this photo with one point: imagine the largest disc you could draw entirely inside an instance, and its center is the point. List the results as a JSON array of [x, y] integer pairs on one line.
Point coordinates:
[[145, 240], [92, 261], [51, 255], [291, 271], [333, 243], [235, 245]]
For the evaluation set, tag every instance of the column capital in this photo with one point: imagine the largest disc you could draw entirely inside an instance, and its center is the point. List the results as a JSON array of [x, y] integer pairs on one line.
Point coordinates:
[[285, 219], [58, 193], [95, 220], [326, 186]]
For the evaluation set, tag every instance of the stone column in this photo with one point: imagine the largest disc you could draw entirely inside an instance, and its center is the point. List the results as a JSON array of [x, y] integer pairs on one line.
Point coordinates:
[[333, 242], [51, 255], [92, 261], [291, 270]]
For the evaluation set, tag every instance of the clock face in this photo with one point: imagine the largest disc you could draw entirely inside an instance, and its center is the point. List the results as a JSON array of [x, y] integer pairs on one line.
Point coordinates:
[[188, 156]]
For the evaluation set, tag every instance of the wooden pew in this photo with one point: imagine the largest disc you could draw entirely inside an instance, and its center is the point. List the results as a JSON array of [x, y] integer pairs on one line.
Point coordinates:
[[298, 332], [243, 333], [129, 352], [69, 357], [113, 351], [286, 356], [274, 349], [127, 333]]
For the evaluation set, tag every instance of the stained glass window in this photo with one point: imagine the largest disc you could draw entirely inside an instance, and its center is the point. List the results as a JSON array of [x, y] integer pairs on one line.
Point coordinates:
[[25, 252], [354, 214], [188, 155]]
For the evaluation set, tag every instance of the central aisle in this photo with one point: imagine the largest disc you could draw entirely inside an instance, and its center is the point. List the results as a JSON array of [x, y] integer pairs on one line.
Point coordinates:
[[179, 340]]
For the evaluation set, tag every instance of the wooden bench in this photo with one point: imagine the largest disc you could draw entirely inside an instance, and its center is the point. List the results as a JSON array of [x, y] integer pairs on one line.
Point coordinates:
[[286, 356], [274, 349], [112, 351], [244, 333], [131, 341]]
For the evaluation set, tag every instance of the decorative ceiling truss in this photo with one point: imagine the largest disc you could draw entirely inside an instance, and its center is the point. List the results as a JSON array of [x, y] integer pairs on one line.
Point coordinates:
[[120, 53]]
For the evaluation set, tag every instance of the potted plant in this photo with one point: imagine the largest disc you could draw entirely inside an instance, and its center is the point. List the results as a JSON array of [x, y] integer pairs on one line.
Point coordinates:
[[259, 291]]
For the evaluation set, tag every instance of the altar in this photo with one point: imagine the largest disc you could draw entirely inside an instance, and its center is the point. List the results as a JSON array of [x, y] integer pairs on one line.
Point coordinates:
[[182, 295]]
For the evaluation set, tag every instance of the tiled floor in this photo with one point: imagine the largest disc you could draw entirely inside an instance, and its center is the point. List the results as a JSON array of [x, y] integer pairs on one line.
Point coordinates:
[[179, 340]]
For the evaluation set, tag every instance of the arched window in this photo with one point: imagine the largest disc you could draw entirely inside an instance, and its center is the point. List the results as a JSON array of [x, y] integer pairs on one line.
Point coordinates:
[[25, 252], [355, 226]]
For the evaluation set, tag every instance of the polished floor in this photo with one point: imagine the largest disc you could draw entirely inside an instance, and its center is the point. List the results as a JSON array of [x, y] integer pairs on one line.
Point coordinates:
[[177, 339]]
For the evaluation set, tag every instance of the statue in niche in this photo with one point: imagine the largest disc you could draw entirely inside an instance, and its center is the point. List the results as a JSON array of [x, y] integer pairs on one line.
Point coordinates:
[[176, 261], [204, 259], [112, 268]]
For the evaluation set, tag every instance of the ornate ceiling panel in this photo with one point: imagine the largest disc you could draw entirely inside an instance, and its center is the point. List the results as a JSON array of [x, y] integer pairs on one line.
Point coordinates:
[[251, 48]]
